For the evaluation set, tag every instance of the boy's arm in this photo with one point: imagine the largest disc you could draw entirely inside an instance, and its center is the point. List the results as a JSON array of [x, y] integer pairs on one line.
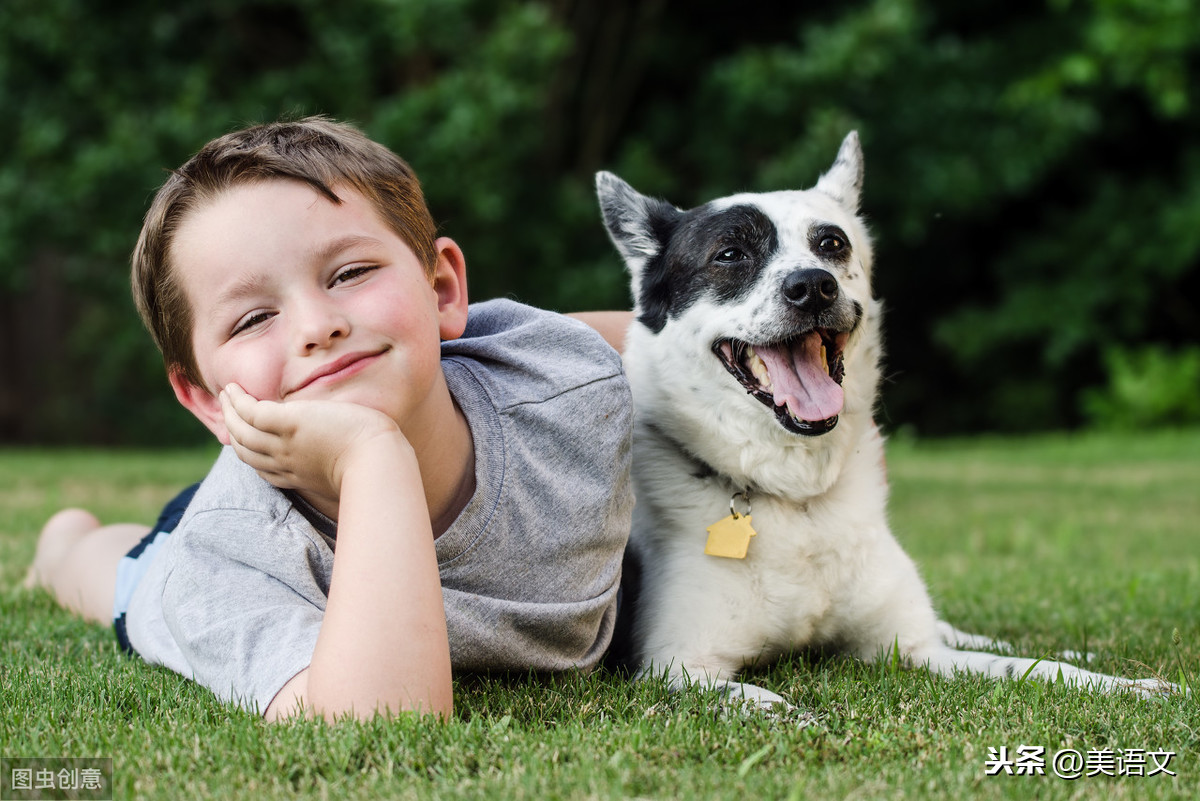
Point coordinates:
[[612, 325], [383, 643]]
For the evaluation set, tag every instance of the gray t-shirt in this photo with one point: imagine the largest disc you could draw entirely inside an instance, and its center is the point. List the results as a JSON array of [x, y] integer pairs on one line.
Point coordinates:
[[529, 570]]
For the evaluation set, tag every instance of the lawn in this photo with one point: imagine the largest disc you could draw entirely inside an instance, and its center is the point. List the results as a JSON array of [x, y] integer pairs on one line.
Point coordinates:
[[1084, 542]]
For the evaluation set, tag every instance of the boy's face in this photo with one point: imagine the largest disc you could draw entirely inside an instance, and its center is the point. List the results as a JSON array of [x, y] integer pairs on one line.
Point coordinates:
[[294, 296]]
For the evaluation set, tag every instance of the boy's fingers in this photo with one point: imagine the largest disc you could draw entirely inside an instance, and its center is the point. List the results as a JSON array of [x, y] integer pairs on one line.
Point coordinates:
[[245, 454], [261, 415], [243, 435], [265, 464], [250, 445], [245, 406]]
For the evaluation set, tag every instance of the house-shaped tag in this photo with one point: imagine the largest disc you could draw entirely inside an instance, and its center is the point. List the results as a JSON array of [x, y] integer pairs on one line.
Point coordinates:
[[730, 537]]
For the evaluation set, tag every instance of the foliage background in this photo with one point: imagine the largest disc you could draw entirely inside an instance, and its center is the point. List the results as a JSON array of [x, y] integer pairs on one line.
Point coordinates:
[[1033, 171]]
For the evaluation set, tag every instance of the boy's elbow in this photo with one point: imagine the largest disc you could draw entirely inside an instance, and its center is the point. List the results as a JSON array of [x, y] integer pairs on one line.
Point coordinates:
[[440, 710], [339, 701], [438, 706]]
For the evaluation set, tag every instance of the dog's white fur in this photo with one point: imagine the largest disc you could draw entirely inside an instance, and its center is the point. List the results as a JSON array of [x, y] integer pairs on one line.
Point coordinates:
[[824, 568]]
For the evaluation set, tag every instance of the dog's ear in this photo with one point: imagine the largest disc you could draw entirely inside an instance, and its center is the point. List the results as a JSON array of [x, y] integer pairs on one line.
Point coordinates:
[[634, 221], [843, 181]]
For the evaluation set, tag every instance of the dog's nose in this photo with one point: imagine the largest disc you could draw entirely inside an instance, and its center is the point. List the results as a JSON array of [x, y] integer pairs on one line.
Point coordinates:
[[811, 290]]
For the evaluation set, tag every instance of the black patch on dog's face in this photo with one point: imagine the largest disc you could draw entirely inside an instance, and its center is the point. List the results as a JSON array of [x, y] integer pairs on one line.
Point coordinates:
[[720, 254]]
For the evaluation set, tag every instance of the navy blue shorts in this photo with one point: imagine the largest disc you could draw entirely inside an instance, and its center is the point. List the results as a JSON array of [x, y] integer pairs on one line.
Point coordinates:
[[134, 564]]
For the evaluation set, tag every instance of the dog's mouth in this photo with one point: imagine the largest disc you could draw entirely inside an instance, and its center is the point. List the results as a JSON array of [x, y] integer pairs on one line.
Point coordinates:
[[800, 379]]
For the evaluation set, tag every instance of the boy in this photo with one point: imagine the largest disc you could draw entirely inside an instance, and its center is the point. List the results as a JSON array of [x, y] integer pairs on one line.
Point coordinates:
[[472, 469]]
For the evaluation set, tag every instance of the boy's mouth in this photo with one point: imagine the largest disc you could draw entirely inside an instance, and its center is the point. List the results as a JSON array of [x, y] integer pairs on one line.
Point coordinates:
[[338, 369], [799, 378]]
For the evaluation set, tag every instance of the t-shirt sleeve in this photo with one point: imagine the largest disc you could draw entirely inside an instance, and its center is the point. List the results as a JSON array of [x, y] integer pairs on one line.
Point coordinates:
[[245, 623]]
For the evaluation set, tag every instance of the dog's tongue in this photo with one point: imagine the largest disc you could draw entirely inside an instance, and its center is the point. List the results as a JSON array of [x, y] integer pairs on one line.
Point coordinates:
[[799, 379]]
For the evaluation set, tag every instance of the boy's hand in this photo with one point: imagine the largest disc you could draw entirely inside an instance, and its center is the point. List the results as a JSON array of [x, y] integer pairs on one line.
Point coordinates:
[[303, 445]]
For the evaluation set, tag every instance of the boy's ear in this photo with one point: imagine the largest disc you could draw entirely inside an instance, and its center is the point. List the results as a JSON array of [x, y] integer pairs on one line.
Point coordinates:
[[450, 285], [201, 403]]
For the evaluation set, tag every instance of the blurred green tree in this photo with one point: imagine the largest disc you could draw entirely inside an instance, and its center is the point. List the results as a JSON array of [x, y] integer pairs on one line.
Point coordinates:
[[1033, 169]]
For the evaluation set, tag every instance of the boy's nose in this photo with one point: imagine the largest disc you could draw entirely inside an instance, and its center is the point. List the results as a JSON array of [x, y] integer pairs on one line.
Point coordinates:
[[319, 325]]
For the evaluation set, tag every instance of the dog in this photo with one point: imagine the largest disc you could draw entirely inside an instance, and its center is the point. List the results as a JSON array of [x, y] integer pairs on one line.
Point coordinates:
[[760, 523]]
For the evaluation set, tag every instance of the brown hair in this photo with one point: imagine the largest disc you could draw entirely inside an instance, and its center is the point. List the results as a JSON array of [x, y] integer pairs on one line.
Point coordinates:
[[315, 150]]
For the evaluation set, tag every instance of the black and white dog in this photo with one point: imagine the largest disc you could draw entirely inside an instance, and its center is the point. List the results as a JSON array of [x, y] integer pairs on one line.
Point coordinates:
[[760, 522]]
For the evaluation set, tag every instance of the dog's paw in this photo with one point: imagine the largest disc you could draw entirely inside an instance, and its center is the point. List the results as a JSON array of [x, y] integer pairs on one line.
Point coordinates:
[[751, 696], [749, 700], [1149, 688], [734, 698]]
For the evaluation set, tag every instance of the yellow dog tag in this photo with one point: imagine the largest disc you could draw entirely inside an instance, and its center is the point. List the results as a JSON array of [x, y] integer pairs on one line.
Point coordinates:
[[730, 537]]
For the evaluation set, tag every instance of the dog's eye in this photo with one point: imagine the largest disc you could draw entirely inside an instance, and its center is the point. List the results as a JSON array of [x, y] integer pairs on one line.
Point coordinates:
[[832, 244], [730, 255]]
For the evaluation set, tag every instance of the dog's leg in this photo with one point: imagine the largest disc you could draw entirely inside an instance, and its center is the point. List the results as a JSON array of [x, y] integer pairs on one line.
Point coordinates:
[[966, 641], [693, 647], [704, 630], [956, 638], [947, 662], [902, 616], [713, 670]]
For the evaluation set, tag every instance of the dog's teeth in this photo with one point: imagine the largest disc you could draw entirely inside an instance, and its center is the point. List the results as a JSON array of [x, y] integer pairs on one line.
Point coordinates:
[[758, 368], [824, 358]]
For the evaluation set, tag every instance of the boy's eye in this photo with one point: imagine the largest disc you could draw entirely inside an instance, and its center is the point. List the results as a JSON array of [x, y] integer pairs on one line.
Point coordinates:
[[351, 273], [250, 321]]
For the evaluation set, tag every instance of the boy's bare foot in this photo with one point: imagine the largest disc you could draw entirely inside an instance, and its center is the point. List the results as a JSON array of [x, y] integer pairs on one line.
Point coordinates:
[[76, 561], [61, 532]]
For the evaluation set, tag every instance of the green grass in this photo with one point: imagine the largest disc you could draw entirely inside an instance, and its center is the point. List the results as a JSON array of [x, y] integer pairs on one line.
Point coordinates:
[[1050, 543]]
